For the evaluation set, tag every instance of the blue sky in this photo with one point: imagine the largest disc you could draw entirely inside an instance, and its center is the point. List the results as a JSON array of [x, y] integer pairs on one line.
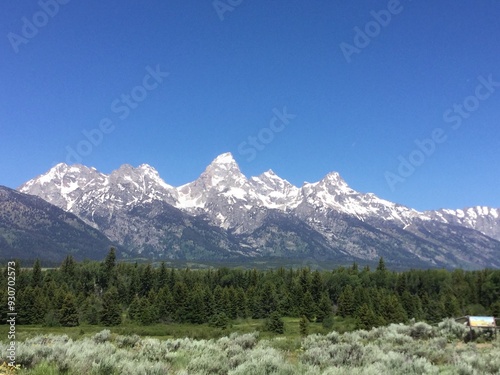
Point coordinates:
[[290, 86]]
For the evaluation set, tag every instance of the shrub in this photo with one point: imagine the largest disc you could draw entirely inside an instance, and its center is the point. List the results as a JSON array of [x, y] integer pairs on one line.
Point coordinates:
[[102, 336], [421, 331], [450, 329], [210, 361], [264, 361], [152, 350], [246, 341], [127, 341]]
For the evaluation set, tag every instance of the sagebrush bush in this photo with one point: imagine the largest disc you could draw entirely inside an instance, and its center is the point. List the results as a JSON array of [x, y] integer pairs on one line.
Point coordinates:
[[451, 329], [264, 361], [127, 341], [102, 336], [212, 360], [421, 330], [152, 350]]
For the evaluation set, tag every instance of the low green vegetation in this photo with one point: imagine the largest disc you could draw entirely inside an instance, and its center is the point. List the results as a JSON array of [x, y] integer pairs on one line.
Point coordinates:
[[113, 318], [414, 348]]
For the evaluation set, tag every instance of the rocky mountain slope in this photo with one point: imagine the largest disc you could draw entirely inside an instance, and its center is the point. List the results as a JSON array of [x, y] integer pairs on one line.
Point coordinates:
[[224, 214], [32, 228]]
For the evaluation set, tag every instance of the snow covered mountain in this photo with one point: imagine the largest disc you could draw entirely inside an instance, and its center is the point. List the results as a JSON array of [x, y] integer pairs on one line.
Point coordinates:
[[484, 219], [232, 215]]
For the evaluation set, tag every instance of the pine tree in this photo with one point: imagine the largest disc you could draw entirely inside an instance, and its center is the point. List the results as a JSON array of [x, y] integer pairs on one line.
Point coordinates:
[[308, 308], [380, 275], [111, 308], [227, 303], [107, 272], [31, 306], [146, 281], [91, 310], [296, 298], [324, 308], [401, 284], [346, 302], [147, 313], [495, 309], [268, 300], [451, 307], [68, 267], [110, 261], [381, 265], [36, 275], [316, 286], [304, 325], [392, 310], [208, 302], [68, 315], [196, 308], [361, 296], [354, 268], [134, 287], [180, 298], [162, 276], [232, 308], [274, 323], [305, 279], [134, 310], [218, 300], [165, 305], [366, 318], [241, 303]]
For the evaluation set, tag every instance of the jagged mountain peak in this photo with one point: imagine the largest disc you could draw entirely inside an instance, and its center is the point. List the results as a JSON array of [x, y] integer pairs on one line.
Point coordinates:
[[129, 169], [225, 158], [223, 171], [271, 181], [269, 173], [334, 179], [59, 171], [223, 165]]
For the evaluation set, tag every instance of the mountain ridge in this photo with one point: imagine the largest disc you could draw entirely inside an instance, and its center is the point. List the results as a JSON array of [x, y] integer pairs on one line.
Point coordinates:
[[32, 228], [246, 210]]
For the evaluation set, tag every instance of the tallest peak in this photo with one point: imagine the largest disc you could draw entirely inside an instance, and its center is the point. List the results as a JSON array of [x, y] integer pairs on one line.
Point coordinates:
[[226, 158]]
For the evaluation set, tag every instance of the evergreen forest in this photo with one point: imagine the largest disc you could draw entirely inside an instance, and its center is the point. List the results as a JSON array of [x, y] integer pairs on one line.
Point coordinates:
[[109, 293]]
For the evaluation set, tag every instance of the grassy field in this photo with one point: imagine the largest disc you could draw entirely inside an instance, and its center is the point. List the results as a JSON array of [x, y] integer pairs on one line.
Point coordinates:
[[175, 330]]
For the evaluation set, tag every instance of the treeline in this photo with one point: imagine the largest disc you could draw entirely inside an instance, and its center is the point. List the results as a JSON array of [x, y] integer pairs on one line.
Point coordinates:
[[108, 293]]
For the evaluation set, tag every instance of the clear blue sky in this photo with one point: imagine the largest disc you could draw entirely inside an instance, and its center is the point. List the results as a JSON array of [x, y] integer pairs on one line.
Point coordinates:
[[227, 79]]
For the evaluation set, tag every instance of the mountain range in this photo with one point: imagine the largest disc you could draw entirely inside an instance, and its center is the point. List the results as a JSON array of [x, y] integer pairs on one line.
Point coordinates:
[[225, 215]]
